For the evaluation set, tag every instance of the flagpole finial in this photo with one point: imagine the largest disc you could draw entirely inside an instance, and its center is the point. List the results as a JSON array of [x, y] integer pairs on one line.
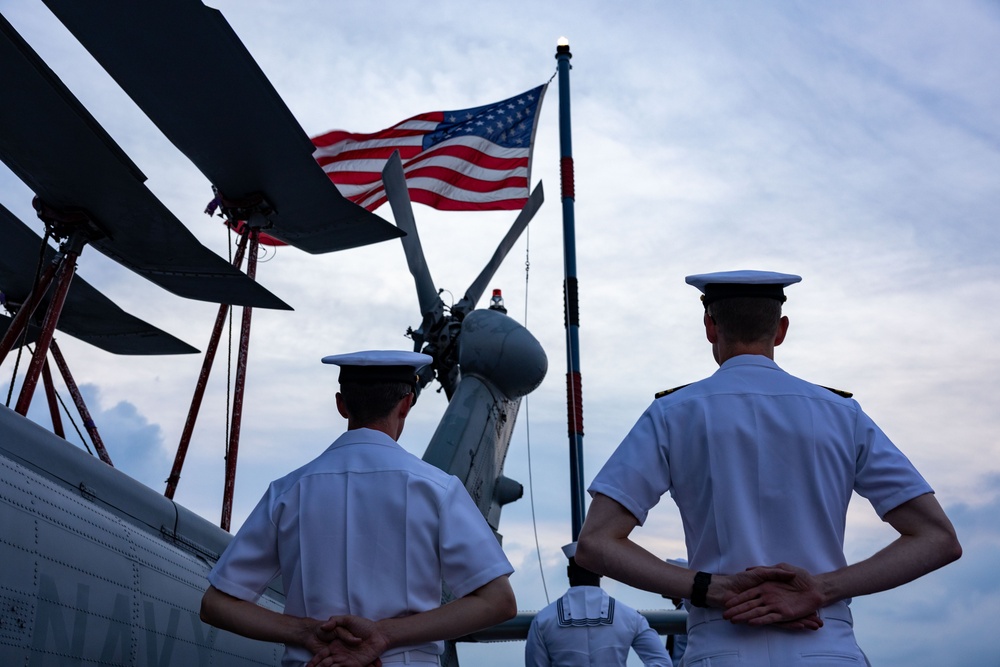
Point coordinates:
[[562, 47]]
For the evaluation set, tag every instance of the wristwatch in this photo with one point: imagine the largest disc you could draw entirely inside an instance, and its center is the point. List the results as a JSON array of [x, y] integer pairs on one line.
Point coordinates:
[[700, 589]]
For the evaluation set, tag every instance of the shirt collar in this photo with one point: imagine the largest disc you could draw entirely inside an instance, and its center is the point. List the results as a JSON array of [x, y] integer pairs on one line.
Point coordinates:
[[749, 360], [367, 436]]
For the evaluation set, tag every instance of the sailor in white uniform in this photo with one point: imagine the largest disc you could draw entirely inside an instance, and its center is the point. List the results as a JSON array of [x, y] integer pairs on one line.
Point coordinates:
[[762, 466], [365, 532], [588, 628]]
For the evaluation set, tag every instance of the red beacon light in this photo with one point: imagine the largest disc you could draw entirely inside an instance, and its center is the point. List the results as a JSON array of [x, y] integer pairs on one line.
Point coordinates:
[[496, 301]]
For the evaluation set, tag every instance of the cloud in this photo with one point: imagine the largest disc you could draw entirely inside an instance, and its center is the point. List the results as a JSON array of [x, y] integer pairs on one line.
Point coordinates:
[[134, 443], [947, 617]]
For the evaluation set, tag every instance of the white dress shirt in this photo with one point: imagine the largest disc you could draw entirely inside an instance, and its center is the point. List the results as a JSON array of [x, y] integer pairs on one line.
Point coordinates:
[[366, 528], [762, 466]]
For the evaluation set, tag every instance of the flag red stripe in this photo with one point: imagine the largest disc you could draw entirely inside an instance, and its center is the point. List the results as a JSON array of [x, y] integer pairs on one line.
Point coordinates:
[[465, 182], [442, 203], [480, 152], [458, 159], [375, 153], [472, 155], [448, 173], [334, 136], [469, 169], [368, 197]]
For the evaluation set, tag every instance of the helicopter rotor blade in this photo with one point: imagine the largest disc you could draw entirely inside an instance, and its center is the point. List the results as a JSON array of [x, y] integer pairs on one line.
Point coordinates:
[[87, 315], [60, 151], [187, 69], [399, 199], [476, 289]]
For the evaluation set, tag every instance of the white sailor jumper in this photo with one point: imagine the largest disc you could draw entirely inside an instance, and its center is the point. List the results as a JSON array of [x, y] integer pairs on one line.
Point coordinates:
[[588, 628]]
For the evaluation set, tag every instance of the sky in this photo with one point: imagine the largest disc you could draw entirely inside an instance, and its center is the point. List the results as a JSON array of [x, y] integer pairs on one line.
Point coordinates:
[[856, 144]]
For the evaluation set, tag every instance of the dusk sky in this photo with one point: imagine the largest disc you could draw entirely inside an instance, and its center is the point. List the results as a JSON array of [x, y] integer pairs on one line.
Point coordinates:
[[856, 144]]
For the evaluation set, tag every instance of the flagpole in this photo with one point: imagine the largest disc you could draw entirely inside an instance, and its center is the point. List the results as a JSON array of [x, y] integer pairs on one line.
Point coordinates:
[[574, 397]]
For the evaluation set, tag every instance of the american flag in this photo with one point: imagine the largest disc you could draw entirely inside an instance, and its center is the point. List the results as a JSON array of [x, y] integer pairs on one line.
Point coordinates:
[[475, 159]]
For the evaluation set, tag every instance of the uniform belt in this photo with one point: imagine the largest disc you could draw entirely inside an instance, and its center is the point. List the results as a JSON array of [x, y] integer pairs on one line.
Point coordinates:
[[838, 610], [411, 658]]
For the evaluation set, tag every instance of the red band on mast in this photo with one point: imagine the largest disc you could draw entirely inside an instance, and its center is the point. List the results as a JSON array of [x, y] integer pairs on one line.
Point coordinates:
[[574, 402], [566, 176]]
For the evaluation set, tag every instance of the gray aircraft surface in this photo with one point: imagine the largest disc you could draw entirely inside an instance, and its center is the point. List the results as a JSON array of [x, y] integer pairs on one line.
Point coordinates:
[[99, 569]]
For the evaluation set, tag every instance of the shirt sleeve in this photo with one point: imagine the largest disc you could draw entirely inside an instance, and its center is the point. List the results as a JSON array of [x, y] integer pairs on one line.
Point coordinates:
[[250, 562], [637, 473], [471, 556], [645, 642], [884, 475], [648, 645], [535, 653]]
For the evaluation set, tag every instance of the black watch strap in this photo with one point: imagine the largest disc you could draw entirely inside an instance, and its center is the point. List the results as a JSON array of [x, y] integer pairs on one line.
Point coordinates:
[[700, 589]]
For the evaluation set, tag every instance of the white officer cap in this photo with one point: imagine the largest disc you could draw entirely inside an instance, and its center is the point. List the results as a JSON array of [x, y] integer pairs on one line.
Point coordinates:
[[378, 366], [729, 284]]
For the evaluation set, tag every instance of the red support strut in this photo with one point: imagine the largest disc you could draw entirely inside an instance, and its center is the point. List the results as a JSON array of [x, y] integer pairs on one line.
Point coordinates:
[[50, 395], [238, 389], [81, 407], [27, 309], [64, 277]]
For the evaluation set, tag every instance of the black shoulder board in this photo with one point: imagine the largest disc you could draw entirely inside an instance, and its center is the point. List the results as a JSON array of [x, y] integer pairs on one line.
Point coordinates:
[[667, 392], [839, 392]]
